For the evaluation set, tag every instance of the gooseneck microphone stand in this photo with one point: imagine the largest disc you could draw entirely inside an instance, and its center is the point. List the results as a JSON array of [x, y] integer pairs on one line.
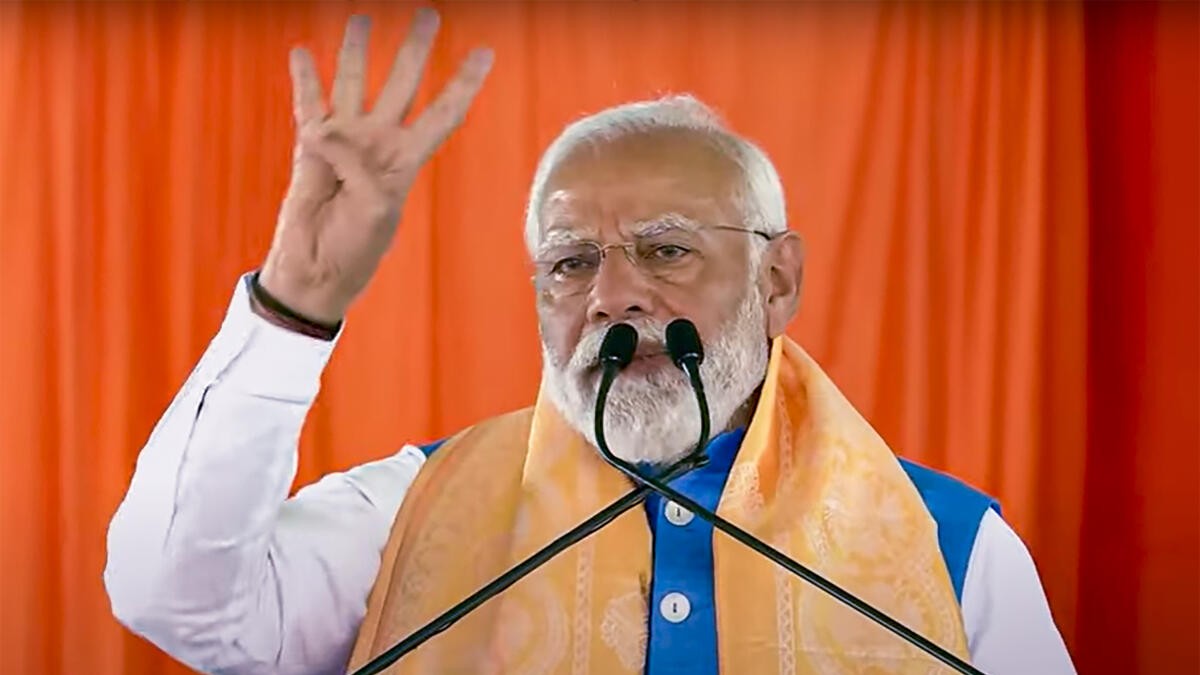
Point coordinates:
[[684, 344], [618, 356]]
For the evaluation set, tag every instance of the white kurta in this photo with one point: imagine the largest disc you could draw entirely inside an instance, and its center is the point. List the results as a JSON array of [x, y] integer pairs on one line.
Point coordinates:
[[209, 559]]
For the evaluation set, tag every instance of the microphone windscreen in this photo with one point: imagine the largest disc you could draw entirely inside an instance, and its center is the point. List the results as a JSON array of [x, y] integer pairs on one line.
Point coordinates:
[[620, 342], [683, 342]]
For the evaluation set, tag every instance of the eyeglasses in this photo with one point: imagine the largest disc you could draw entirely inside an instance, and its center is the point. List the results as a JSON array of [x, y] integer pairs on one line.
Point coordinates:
[[675, 255]]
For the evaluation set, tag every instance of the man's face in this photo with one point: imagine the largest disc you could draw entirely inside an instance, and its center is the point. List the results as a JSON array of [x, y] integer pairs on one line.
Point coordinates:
[[661, 194], [637, 186]]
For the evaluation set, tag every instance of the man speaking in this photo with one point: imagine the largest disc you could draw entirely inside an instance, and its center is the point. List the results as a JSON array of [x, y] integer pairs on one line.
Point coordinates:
[[638, 215]]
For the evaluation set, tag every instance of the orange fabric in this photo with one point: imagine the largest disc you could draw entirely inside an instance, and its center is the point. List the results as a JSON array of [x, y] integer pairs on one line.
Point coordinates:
[[1002, 261], [812, 479]]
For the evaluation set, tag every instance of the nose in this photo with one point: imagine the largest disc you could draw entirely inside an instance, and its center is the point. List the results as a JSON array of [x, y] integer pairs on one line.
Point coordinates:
[[620, 292]]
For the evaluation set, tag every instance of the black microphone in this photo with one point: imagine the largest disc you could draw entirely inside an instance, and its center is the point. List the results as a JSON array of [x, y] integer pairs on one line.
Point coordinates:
[[616, 351], [683, 343], [618, 346]]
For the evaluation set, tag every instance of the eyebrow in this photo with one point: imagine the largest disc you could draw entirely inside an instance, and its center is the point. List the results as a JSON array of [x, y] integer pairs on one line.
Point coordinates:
[[558, 236], [660, 224], [666, 222]]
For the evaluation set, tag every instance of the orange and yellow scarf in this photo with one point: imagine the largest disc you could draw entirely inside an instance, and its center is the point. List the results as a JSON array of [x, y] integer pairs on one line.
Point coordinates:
[[812, 478]]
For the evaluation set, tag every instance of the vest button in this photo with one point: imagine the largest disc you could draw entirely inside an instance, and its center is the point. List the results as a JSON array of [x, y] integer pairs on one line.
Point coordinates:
[[675, 607], [677, 515]]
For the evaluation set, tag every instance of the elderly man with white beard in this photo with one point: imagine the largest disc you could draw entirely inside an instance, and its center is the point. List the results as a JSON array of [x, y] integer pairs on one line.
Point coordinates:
[[640, 214]]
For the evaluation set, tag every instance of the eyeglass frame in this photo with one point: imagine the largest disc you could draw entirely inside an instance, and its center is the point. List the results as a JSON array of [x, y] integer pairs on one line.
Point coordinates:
[[628, 246]]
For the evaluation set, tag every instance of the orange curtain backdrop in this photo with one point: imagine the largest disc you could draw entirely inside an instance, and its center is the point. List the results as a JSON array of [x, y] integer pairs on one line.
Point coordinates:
[[963, 201], [1139, 605]]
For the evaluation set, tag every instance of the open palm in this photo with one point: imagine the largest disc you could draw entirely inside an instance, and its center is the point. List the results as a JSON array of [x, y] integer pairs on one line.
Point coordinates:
[[352, 169]]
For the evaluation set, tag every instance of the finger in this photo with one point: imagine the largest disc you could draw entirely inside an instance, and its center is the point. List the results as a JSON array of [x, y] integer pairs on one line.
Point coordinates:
[[450, 108], [308, 102], [396, 97], [349, 81]]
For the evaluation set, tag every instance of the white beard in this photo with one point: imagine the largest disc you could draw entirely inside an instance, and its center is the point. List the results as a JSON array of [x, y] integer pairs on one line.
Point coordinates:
[[654, 418]]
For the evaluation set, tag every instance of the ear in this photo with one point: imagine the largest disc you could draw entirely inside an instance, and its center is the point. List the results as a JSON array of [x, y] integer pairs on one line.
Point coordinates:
[[782, 273]]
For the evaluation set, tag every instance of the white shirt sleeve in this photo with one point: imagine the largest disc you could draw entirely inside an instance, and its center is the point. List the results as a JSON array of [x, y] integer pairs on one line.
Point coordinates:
[[1009, 627], [207, 558]]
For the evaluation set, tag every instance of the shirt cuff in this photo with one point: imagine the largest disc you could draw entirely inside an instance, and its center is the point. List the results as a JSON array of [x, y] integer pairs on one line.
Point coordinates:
[[267, 360]]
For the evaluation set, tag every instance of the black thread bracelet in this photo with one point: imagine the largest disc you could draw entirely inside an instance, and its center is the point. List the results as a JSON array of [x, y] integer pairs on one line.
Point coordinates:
[[273, 305]]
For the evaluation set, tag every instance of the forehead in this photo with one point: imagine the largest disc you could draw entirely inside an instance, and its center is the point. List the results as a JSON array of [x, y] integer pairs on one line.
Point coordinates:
[[672, 177]]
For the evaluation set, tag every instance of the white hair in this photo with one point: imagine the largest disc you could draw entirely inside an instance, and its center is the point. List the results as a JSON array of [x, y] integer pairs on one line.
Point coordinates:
[[762, 198]]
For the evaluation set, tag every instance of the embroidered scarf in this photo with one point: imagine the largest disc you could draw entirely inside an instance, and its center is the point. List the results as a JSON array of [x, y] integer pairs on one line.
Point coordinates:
[[812, 478]]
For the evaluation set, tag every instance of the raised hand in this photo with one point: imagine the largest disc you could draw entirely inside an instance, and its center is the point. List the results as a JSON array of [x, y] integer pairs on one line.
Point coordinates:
[[352, 169]]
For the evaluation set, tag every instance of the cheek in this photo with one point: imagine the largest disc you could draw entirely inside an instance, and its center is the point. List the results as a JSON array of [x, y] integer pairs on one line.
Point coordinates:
[[711, 305], [711, 325], [560, 332]]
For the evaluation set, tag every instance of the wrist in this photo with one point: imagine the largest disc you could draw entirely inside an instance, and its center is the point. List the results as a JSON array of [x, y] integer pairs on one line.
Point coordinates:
[[266, 305]]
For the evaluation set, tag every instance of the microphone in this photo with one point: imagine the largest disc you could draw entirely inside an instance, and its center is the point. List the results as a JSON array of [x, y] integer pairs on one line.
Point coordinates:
[[683, 343], [616, 351], [618, 346]]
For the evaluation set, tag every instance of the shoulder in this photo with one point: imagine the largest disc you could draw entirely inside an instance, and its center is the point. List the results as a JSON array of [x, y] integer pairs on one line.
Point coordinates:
[[427, 449], [1009, 625], [508, 425], [941, 490], [492, 451], [958, 509]]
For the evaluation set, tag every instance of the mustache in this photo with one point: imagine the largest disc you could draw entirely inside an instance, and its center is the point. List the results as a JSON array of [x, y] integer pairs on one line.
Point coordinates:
[[652, 339]]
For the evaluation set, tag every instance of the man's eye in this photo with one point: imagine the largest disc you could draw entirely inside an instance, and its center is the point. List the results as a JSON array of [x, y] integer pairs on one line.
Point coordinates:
[[571, 265], [668, 252]]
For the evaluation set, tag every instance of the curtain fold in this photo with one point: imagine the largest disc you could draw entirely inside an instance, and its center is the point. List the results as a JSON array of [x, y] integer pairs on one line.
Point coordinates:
[[998, 201]]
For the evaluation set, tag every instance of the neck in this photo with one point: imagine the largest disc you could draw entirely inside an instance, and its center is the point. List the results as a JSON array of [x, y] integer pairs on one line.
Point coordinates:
[[745, 412]]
